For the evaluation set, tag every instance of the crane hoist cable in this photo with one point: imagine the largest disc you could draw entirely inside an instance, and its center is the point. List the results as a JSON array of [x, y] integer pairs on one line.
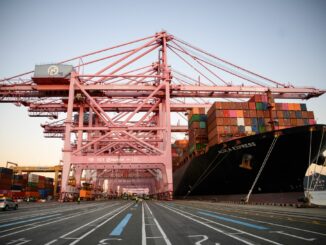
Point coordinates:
[[262, 166]]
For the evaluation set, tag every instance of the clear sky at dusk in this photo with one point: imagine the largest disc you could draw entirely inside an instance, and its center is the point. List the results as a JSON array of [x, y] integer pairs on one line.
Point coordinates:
[[281, 39]]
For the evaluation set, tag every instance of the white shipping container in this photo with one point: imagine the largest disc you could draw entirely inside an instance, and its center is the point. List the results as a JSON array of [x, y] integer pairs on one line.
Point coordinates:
[[240, 121], [248, 129], [33, 178]]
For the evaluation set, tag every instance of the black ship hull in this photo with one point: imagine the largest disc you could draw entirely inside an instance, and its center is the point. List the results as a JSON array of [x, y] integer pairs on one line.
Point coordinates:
[[232, 167]]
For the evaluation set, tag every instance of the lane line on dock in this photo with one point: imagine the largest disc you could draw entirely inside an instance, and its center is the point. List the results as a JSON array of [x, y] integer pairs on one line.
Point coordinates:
[[164, 236], [258, 227], [143, 229], [263, 222], [191, 217], [54, 221], [120, 227], [28, 220], [121, 209]]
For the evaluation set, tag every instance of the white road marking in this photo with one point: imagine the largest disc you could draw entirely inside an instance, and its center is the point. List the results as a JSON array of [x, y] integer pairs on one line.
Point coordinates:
[[200, 241], [103, 241], [54, 221], [123, 208], [268, 223], [49, 243], [182, 213], [19, 241], [143, 229], [166, 239], [291, 235]]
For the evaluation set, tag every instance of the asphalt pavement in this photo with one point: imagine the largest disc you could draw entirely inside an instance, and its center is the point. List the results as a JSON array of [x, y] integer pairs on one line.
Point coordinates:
[[159, 222]]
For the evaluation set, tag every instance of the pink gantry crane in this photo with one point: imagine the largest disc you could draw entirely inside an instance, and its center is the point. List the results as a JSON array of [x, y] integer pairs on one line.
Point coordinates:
[[114, 107]]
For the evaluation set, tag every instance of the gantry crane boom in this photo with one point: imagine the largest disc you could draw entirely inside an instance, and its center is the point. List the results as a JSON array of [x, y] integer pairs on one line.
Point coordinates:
[[120, 114]]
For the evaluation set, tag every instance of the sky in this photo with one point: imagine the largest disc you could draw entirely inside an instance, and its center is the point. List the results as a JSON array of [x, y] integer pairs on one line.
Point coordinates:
[[281, 39]]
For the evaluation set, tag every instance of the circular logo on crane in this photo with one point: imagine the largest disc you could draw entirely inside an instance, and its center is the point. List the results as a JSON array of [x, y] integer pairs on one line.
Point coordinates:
[[53, 70]]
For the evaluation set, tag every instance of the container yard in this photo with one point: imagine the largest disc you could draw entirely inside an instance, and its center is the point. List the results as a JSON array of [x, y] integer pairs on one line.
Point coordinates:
[[29, 187]]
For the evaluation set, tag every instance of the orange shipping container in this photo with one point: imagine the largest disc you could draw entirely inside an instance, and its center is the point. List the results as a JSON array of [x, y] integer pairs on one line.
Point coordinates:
[[85, 194], [300, 122], [279, 114], [239, 113], [297, 107], [304, 114]]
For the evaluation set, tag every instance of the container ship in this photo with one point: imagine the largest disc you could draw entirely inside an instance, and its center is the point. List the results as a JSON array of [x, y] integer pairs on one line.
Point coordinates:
[[258, 145]]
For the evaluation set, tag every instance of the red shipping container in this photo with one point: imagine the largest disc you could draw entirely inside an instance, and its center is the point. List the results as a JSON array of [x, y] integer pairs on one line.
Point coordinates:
[[226, 113], [310, 115], [300, 122], [234, 129], [287, 122], [246, 113], [218, 105], [244, 105], [285, 106], [292, 114], [266, 113], [253, 113], [304, 114], [247, 121], [219, 121], [252, 105], [233, 121], [281, 122], [293, 121], [227, 121]]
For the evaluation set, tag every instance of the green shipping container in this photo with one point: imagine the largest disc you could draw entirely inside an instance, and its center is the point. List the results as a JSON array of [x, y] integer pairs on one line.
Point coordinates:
[[202, 124], [198, 146], [262, 128]]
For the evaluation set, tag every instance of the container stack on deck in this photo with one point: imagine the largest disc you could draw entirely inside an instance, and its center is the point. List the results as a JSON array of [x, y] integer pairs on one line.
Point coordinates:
[[229, 120], [179, 149], [197, 125]]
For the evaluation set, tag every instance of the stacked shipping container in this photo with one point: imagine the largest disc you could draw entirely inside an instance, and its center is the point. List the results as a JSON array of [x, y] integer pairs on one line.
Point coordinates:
[[5, 178], [24, 186], [197, 125], [179, 149], [229, 120]]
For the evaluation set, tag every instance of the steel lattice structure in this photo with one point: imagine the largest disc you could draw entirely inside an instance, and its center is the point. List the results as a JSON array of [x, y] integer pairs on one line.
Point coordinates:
[[117, 105]]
